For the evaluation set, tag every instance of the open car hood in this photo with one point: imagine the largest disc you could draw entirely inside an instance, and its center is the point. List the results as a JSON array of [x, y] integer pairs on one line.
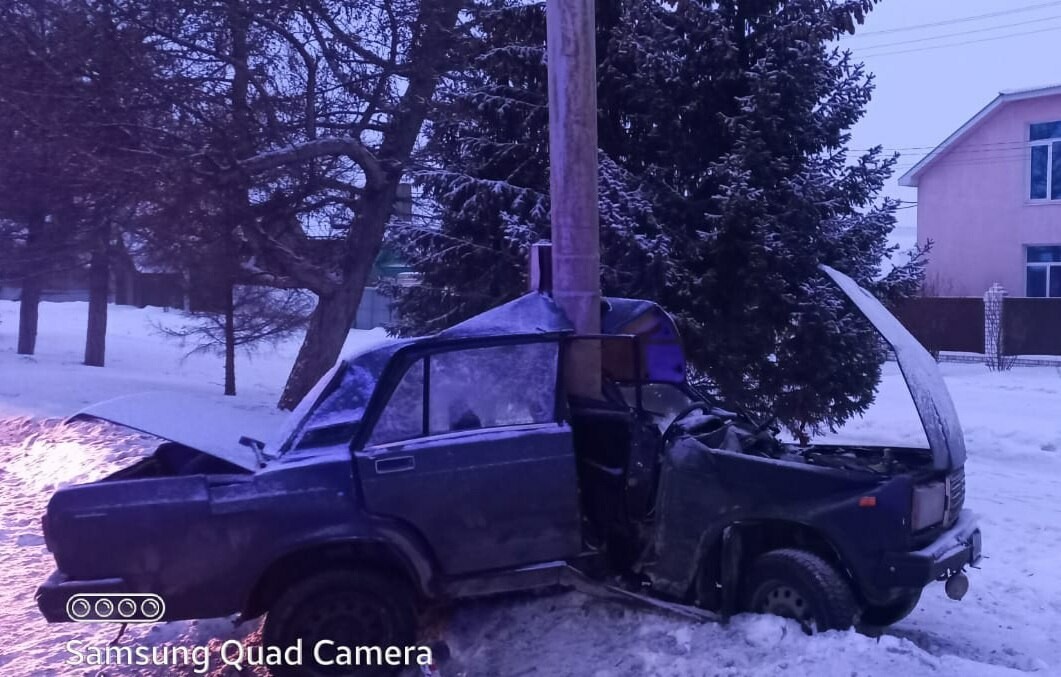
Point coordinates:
[[211, 426], [929, 392]]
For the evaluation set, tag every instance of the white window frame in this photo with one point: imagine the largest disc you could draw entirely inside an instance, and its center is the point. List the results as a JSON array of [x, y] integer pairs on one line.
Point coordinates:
[[1049, 143], [1048, 265]]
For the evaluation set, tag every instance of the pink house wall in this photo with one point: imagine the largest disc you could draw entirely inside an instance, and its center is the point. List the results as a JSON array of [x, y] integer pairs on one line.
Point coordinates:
[[973, 203]]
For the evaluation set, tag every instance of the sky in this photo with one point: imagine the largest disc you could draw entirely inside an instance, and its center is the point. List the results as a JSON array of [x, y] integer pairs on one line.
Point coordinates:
[[927, 89]]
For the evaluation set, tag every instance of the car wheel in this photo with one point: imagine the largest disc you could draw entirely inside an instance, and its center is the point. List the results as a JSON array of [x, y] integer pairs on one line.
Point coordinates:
[[350, 608], [800, 585], [887, 614]]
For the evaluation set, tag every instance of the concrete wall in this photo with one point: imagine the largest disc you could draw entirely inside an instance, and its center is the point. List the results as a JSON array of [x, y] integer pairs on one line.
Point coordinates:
[[973, 202]]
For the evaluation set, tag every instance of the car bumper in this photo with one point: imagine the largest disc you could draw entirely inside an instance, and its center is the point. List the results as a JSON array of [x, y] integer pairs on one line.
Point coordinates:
[[957, 547], [53, 595]]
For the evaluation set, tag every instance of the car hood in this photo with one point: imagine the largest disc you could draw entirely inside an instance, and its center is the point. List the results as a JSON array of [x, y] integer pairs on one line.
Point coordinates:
[[921, 373], [210, 425]]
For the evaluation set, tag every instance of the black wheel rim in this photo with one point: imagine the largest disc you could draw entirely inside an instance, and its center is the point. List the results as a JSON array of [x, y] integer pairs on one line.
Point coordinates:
[[781, 599], [349, 620]]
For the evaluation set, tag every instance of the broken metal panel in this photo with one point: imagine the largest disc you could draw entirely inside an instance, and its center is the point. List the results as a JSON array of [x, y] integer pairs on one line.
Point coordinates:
[[662, 356]]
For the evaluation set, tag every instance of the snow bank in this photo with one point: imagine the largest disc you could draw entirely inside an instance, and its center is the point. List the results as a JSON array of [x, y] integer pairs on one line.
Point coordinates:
[[55, 383], [576, 635], [1007, 625]]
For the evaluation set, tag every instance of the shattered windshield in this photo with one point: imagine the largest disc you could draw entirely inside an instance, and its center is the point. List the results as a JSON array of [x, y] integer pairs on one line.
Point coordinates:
[[664, 401], [335, 419]]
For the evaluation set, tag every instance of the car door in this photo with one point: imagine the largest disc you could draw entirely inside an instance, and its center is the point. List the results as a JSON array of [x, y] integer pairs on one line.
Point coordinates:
[[471, 451]]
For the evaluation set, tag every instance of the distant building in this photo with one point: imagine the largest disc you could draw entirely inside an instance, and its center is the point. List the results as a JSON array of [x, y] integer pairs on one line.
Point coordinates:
[[989, 197]]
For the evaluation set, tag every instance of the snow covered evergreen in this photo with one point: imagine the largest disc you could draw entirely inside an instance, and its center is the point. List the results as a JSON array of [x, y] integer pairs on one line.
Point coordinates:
[[725, 181], [490, 182]]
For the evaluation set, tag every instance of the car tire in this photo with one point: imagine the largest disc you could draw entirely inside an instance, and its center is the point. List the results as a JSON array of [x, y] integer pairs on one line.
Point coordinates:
[[799, 584], [351, 608], [883, 615]]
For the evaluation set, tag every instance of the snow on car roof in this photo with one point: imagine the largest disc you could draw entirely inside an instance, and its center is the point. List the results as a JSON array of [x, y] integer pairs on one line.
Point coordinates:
[[537, 313], [532, 313]]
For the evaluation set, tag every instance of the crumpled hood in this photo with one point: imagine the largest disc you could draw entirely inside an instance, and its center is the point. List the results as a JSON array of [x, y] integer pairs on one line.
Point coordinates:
[[210, 425], [921, 372]]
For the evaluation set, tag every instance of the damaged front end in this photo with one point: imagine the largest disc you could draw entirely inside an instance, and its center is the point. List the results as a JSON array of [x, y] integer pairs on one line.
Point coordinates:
[[892, 517]]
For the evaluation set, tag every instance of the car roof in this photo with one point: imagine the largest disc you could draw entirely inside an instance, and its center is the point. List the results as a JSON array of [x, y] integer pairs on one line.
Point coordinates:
[[533, 313], [537, 313]]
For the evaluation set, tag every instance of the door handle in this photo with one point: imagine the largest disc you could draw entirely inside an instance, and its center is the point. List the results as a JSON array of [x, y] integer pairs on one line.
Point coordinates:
[[397, 464]]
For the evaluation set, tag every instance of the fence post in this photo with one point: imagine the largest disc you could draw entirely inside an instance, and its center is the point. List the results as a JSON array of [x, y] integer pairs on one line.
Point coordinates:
[[993, 356]]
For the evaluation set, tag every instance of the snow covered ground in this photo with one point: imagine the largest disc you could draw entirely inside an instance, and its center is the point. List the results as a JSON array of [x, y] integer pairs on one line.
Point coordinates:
[[1008, 624]]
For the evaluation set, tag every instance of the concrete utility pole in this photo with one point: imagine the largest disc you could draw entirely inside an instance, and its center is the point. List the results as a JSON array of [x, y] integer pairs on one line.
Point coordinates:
[[573, 181]]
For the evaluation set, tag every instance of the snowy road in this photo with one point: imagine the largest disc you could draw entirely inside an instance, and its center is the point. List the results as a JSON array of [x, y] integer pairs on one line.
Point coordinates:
[[1008, 624]]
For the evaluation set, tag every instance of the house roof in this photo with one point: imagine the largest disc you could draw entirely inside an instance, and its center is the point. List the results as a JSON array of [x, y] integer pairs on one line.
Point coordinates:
[[913, 176]]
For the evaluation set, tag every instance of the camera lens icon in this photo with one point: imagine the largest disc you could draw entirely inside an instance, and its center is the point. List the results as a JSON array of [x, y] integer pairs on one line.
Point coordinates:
[[80, 608], [129, 607], [103, 608], [151, 607]]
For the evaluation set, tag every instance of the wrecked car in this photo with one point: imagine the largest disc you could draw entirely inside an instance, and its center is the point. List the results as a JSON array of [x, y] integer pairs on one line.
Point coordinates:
[[456, 465]]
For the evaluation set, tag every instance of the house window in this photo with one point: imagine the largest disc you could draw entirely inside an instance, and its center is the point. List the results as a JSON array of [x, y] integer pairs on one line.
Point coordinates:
[[1045, 139], [1044, 271]]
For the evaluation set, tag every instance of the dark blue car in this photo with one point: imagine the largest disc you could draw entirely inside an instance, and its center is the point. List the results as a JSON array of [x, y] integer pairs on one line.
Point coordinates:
[[456, 465]]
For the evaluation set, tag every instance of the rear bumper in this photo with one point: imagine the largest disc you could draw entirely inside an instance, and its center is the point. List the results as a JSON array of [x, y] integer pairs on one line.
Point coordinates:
[[953, 550], [53, 595]]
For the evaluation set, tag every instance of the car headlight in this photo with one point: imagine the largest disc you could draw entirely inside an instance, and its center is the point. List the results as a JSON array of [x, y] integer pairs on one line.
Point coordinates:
[[930, 501]]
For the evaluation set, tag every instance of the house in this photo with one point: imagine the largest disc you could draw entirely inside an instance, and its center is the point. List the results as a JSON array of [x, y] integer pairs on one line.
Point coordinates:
[[989, 197]]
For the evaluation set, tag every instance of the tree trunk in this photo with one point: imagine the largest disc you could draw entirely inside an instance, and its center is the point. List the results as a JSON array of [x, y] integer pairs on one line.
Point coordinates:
[[32, 283], [237, 193], [98, 291], [331, 320], [230, 342], [27, 314], [328, 328]]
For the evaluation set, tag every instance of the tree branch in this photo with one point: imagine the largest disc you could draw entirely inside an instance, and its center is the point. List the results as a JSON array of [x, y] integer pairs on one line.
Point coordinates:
[[350, 147]]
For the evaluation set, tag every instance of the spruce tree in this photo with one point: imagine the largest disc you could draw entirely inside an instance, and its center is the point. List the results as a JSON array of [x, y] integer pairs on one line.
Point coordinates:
[[729, 120], [488, 185]]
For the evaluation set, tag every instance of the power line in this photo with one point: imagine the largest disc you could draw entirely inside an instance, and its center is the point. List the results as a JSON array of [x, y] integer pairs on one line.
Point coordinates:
[[951, 22], [959, 33], [969, 162], [972, 148], [959, 44]]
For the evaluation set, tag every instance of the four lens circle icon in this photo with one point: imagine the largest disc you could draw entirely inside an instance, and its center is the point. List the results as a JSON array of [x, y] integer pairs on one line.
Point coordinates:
[[130, 607]]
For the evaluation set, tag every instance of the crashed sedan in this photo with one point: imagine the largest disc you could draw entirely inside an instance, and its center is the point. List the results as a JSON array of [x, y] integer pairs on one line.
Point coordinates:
[[456, 465]]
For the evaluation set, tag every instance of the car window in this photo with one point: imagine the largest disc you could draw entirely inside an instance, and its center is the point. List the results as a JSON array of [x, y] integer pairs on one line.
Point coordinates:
[[492, 387], [403, 417], [663, 400]]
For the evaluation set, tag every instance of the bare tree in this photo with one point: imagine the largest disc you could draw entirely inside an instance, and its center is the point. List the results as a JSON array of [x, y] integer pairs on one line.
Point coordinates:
[[252, 317], [306, 114], [73, 110], [34, 165]]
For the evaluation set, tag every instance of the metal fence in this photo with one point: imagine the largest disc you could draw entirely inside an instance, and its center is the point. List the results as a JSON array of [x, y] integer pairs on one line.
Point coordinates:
[[1031, 326], [944, 323]]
